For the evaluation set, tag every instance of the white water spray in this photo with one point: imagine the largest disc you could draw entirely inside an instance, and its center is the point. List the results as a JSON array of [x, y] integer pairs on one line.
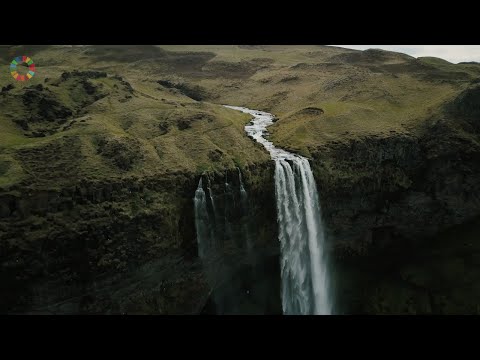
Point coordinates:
[[305, 288], [202, 219]]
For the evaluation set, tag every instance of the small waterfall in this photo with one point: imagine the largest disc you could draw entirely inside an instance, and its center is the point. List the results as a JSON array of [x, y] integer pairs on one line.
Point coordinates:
[[244, 208], [209, 237], [201, 219], [204, 221], [213, 219], [305, 287], [228, 208], [243, 193], [209, 188], [222, 227]]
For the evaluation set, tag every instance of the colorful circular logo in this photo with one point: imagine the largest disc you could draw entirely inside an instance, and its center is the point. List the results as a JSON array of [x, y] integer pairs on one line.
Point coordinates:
[[21, 60]]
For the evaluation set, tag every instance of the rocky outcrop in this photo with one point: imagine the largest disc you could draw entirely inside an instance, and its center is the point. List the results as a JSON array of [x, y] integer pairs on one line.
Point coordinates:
[[467, 104], [194, 92], [90, 74], [124, 153]]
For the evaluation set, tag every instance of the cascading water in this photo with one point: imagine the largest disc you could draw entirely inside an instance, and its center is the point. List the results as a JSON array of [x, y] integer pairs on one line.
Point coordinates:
[[222, 226], [305, 288], [244, 208], [230, 206], [203, 221], [243, 193]]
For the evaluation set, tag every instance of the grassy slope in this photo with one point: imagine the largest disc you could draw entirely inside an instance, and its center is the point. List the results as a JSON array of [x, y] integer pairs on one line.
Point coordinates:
[[138, 118], [360, 93]]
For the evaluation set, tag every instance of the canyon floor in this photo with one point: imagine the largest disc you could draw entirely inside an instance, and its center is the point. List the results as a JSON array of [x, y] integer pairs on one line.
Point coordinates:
[[101, 153]]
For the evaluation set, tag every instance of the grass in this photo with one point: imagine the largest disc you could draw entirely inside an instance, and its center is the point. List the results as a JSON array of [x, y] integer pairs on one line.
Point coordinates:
[[445, 66], [280, 54], [10, 171], [137, 118], [359, 97], [409, 102], [369, 96]]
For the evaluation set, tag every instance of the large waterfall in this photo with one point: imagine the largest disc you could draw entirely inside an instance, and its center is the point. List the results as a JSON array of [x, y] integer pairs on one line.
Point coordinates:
[[305, 287]]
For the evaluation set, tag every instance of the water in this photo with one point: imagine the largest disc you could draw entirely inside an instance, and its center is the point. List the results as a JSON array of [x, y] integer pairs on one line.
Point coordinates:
[[245, 213], [305, 287], [204, 219], [222, 222]]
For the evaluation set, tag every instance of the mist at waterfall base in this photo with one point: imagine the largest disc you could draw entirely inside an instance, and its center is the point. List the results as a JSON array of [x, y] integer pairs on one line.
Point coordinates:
[[242, 281], [304, 279]]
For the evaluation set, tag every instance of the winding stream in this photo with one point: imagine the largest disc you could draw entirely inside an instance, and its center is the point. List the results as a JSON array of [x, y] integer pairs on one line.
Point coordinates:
[[305, 287]]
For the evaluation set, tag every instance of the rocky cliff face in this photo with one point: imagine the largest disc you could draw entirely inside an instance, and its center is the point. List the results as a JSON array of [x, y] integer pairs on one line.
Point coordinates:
[[240, 250], [118, 247], [388, 201], [397, 186]]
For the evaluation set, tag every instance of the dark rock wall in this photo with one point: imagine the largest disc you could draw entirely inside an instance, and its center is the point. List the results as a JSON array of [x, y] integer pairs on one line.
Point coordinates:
[[242, 265], [387, 201], [126, 246]]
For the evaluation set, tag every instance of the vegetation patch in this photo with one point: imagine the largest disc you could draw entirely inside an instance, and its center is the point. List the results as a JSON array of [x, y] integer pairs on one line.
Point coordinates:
[[289, 78], [186, 123], [215, 155], [53, 163], [194, 92], [4, 166], [124, 153], [226, 69], [311, 110]]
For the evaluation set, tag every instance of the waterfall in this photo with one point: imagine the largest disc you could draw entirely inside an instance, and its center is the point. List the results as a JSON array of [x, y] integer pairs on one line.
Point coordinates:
[[305, 288], [222, 224], [210, 194], [243, 193], [304, 279], [244, 208], [229, 206], [203, 221]]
